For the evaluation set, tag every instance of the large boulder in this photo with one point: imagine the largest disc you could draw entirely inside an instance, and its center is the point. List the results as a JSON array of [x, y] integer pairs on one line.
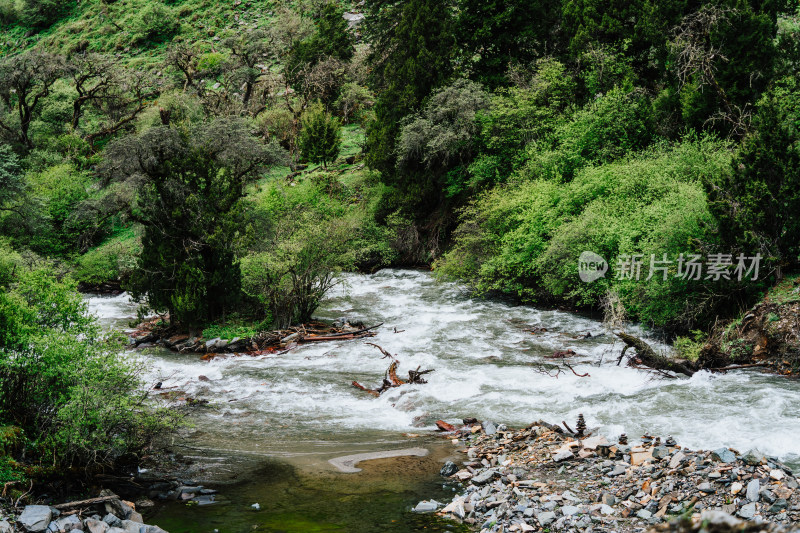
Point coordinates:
[[35, 517]]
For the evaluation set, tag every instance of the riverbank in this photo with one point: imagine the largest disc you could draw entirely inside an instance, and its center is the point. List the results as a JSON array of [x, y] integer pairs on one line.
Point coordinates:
[[544, 476]]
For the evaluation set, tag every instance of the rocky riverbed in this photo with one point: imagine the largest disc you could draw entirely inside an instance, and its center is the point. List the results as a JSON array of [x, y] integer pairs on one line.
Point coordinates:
[[543, 477]]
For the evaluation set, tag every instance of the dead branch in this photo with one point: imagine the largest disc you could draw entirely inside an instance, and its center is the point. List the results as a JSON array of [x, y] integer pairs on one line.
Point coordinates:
[[83, 503], [649, 358], [358, 385], [384, 352]]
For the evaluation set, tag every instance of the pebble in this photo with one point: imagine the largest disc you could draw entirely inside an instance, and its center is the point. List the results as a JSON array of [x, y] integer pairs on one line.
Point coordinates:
[[752, 490], [747, 511]]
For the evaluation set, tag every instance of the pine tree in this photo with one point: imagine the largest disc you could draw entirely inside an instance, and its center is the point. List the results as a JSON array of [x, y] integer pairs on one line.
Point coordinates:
[[321, 137], [412, 43]]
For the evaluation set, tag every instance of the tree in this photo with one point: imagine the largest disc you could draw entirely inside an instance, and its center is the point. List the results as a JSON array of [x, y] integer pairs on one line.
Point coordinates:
[[412, 47], [190, 185], [496, 34], [757, 204], [12, 182], [25, 80], [247, 51], [321, 137]]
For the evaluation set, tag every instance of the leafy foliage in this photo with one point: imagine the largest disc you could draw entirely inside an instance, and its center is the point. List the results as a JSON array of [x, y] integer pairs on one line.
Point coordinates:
[[321, 137]]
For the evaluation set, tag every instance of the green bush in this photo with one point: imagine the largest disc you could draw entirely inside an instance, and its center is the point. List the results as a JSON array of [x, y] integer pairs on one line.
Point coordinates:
[[43, 13], [155, 22], [114, 260], [75, 399], [525, 239], [320, 138]]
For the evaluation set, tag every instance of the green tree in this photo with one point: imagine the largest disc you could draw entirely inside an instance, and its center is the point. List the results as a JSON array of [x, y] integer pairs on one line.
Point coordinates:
[[757, 204], [190, 184], [495, 34], [412, 47], [12, 182], [320, 137]]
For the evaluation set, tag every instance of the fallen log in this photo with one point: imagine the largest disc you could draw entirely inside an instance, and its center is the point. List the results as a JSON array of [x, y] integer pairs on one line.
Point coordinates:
[[648, 357], [358, 385], [84, 503]]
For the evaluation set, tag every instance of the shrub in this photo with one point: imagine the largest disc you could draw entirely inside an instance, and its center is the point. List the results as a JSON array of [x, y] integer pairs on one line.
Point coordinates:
[[77, 402], [155, 22], [43, 13], [525, 239], [320, 138]]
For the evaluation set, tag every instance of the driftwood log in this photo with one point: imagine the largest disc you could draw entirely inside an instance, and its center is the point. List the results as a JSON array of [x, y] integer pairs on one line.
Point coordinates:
[[649, 358], [390, 378]]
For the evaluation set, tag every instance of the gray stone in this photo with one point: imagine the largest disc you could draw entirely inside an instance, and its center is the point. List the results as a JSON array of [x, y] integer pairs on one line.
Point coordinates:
[[546, 518], [606, 509], [752, 490], [778, 506], [449, 469], [112, 520], [706, 487], [136, 517], [608, 499], [660, 452], [747, 511], [68, 523], [426, 507], [562, 456], [767, 496], [676, 459], [644, 514], [96, 526], [489, 428], [154, 529], [132, 527], [618, 471], [724, 455], [5, 527], [719, 518], [484, 477], [569, 510], [35, 517], [753, 457]]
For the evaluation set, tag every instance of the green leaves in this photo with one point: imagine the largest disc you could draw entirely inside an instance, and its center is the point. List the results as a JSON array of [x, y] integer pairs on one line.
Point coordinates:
[[321, 137]]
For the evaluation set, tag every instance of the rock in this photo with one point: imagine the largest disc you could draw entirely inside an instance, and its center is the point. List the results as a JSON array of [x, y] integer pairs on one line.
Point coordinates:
[[131, 527], [608, 499], [5, 527], [449, 469], [736, 488], [427, 506], [546, 518], [706, 487], [778, 506], [767, 496], [606, 509], [777, 475], [676, 459], [96, 526], [483, 477], [753, 457], [752, 490], [353, 19], [618, 471], [119, 508], [569, 510], [67, 523], [112, 520], [723, 455], [747, 511], [489, 428], [562, 456], [136, 517], [640, 457], [660, 452], [719, 518], [35, 517], [644, 514]]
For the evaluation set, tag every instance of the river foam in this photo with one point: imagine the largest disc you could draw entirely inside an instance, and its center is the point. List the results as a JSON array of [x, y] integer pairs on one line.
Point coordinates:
[[485, 366]]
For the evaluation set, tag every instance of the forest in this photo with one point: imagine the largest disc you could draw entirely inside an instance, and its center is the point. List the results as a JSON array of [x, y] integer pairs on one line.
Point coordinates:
[[224, 162]]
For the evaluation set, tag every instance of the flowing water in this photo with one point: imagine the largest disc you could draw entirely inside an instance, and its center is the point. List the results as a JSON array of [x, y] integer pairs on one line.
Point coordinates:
[[297, 410]]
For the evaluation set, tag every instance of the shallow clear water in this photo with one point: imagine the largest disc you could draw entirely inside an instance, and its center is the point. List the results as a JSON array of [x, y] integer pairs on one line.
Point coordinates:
[[301, 407]]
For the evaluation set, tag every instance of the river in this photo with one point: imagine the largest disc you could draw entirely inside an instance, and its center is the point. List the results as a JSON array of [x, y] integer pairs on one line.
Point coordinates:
[[282, 417]]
